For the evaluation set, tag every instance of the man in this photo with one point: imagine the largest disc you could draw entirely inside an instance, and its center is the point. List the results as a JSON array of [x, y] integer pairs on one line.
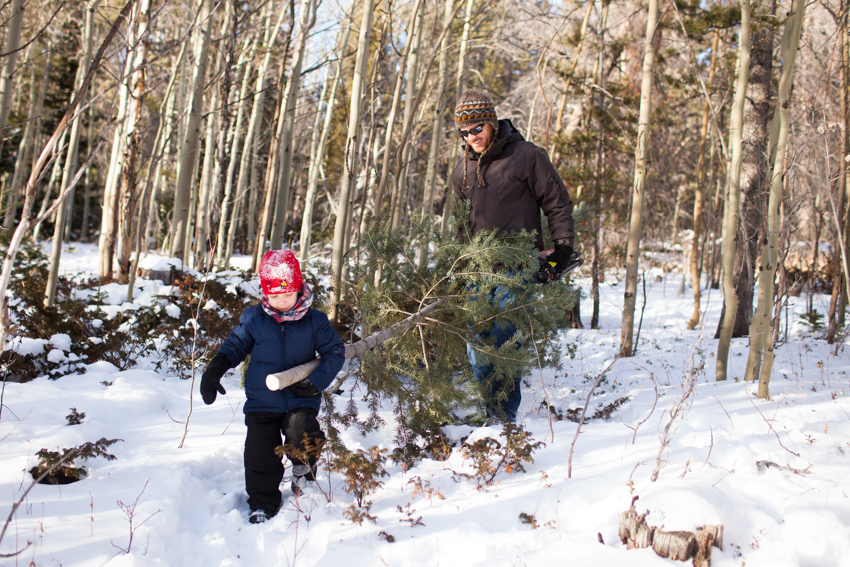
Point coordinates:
[[506, 182]]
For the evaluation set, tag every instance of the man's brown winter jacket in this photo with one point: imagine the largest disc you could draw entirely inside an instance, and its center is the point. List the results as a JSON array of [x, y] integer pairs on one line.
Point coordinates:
[[518, 181]]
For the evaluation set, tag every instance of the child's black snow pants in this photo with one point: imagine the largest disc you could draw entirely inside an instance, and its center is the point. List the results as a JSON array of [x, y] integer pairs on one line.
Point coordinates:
[[263, 468]]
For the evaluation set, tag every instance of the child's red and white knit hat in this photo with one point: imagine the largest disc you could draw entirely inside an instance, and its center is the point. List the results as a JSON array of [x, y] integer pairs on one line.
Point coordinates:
[[280, 272]]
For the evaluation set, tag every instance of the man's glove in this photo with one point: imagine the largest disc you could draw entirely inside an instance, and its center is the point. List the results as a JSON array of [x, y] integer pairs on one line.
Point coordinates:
[[556, 262], [304, 389], [211, 379]]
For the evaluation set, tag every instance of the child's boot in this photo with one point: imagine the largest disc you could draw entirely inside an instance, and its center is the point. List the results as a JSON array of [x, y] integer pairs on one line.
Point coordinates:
[[303, 479], [258, 516]]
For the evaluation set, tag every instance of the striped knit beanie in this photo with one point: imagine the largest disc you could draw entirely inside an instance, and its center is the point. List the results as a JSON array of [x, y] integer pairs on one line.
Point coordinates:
[[474, 108]]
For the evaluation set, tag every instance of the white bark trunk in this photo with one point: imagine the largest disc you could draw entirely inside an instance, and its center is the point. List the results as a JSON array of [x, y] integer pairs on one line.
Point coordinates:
[[287, 121], [639, 186], [349, 172], [761, 357], [7, 79], [71, 158], [731, 212], [461, 67], [26, 147], [437, 126], [396, 102], [222, 242], [190, 146], [407, 125]]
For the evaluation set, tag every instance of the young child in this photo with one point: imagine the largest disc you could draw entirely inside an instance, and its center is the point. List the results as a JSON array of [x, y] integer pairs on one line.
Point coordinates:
[[280, 333]]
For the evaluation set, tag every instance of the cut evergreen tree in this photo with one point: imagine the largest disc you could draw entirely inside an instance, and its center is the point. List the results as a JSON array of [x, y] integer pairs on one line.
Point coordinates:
[[419, 320]]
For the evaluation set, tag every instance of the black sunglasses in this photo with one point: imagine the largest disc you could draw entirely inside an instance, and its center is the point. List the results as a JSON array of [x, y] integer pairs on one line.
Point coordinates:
[[474, 131]]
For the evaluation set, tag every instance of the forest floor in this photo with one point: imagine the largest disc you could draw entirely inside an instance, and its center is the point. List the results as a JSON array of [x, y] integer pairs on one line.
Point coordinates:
[[159, 504]]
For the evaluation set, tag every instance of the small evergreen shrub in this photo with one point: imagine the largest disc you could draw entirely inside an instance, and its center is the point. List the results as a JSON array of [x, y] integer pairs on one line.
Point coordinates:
[[361, 471], [76, 313], [490, 456], [208, 308], [415, 445], [75, 417], [58, 467]]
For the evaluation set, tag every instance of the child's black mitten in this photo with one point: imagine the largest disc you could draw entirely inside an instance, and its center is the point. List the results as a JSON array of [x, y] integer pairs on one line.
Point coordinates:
[[211, 379], [304, 389]]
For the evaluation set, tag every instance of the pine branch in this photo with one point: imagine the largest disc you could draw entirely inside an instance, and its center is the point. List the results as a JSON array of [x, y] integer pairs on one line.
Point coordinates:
[[281, 380]]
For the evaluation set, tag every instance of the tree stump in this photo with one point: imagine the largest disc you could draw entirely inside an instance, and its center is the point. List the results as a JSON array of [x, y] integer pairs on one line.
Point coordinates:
[[678, 545]]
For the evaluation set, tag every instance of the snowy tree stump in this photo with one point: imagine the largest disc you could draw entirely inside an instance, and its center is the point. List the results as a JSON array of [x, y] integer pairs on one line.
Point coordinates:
[[678, 545]]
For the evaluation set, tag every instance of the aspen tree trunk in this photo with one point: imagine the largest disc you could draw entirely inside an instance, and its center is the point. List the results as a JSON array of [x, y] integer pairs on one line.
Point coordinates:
[[160, 148], [109, 214], [562, 105], [246, 167], [638, 188], [287, 121], [317, 150], [461, 67], [201, 216], [755, 178], [54, 174], [312, 163], [189, 147], [268, 186], [180, 104], [227, 139], [761, 357], [699, 193], [408, 125], [217, 125], [26, 147], [733, 194], [600, 164], [8, 196], [216, 156], [559, 120], [838, 286], [437, 126], [221, 237], [529, 130], [396, 102], [71, 158], [7, 78], [364, 154], [369, 145], [193, 207], [349, 164], [271, 176], [127, 209], [164, 134]]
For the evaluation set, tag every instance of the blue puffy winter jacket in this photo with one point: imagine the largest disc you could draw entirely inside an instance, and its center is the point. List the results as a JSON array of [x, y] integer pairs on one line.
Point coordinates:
[[277, 346]]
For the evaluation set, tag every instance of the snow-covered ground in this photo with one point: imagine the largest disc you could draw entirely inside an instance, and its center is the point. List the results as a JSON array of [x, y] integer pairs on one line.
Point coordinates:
[[159, 504]]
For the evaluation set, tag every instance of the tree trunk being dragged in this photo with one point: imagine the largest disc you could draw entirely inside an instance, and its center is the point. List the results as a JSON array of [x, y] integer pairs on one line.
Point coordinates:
[[679, 545], [281, 380]]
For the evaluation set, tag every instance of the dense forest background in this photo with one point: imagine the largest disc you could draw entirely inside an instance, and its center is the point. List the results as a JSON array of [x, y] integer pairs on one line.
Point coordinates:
[[215, 128]]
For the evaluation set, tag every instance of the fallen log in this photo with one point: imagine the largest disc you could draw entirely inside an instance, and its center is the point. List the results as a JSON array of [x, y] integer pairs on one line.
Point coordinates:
[[678, 545], [281, 380]]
